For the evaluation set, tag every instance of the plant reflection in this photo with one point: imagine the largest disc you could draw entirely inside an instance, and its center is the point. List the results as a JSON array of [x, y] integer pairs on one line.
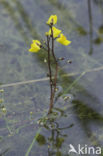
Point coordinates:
[[90, 27], [98, 2], [85, 114], [56, 137], [3, 153], [99, 38]]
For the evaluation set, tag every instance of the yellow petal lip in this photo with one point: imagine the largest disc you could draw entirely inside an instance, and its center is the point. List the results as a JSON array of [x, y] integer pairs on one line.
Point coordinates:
[[52, 20], [35, 46], [56, 32], [36, 42], [34, 50], [63, 40]]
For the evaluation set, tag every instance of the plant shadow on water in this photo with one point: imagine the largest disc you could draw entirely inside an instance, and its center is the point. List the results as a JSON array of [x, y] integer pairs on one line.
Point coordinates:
[[80, 120], [56, 133]]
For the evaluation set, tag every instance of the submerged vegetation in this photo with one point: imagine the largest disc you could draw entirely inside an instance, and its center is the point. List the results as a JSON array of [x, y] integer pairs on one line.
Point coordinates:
[[54, 34], [3, 110]]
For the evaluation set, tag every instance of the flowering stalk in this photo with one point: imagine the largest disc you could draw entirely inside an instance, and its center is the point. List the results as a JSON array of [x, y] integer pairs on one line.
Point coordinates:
[[55, 76], [52, 35], [50, 73]]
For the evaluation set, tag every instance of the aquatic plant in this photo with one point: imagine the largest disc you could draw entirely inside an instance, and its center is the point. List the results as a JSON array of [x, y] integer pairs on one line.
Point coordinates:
[[54, 34], [3, 110]]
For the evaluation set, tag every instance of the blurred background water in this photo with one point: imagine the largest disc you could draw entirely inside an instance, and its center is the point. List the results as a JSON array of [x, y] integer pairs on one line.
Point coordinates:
[[80, 118]]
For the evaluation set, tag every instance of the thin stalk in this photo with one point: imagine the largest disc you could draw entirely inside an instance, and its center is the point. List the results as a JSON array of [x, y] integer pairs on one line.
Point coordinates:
[[90, 27], [56, 62], [55, 76], [50, 75], [53, 44]]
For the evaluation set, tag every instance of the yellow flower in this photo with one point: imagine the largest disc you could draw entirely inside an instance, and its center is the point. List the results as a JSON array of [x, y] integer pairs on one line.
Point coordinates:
[[52, 20], [56, 32], [35, 46], [63, 40]]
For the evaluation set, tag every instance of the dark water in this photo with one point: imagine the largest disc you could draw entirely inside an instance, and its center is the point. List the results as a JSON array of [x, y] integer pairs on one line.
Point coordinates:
[[78, 120]]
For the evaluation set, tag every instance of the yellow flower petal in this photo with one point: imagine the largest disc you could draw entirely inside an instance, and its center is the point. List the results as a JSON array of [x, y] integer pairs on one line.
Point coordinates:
[[34, 50], [52, 20], [66, 42], [63, 40], [36, 42], [35, 46], [56, 32]]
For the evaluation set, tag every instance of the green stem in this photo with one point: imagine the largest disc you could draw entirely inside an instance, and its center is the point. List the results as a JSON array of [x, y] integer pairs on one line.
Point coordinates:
[[31, 145]]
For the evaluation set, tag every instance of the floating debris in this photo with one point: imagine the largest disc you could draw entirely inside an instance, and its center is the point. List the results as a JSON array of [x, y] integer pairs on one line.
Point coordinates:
[[45, 60], [1, 100], [31, 113], [61, 58], [69, 61], [59, 88], [4, 110], [68, 97], [1, 90], [56, 89]]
